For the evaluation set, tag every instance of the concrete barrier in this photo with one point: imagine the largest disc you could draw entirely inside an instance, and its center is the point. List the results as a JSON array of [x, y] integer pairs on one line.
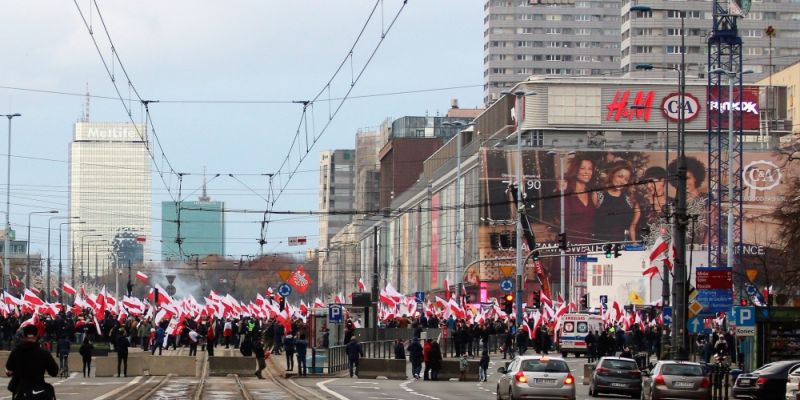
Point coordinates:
[[221, 366], [176, 365], [450, 370], [370, 368]]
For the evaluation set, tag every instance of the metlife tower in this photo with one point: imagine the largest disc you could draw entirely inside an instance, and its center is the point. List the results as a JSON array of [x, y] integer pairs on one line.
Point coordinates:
[[110, 201]]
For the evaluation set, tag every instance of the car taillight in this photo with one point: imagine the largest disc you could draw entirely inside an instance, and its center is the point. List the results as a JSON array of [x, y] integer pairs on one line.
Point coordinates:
[[762, 380], [520, 377], [659, 380], [636, 373], [569, 380], [706, 383], [601, 370]]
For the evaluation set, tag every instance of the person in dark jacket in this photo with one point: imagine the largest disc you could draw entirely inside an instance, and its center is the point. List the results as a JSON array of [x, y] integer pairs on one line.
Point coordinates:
[[288, 348], [301, 346], [435, 359], [122, 354], [62, 349], [591, 347], [483, 366], [415, 356], [86, 355], [399, 350], [258, 351], [27, 364], [354, 353]]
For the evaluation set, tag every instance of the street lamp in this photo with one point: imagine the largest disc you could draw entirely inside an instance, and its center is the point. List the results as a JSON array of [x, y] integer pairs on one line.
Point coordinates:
[[459, 203], [7, 248], [87, 254], [88, 262], [28, 256], [518, 116], [60, 274], [49, 227], [732, 75], [561, 157]]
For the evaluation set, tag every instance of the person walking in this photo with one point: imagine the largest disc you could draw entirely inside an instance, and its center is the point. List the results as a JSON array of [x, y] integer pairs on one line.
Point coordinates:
[[62, 349], [194, 338], [159, 343], [258, 351], [483, 366], [288, 348], [415, 356], [354, 353], [463, 364], [399, 350], [591, 347], [211, 340], [426, 355], [435, 358], [301, 346], [86, 356], [121, 347], [26, 366]]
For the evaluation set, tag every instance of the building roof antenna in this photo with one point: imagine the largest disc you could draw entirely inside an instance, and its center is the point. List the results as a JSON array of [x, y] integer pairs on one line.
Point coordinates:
[[204, 197]]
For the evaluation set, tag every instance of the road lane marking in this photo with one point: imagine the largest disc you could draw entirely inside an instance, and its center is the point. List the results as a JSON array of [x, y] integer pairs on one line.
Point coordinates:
[[114, 392], [321, 386]]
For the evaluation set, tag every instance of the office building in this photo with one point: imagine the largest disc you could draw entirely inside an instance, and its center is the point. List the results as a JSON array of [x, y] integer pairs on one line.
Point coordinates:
[[337, 186], [111, 192], [202, 229], [521, 40]]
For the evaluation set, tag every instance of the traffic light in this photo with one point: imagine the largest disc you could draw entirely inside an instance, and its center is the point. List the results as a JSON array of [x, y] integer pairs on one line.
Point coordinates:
[[282, 303], [617, 248], [535, 255], [585, 301], [562, 241], [607, 250], [508, 307], [537, 302]]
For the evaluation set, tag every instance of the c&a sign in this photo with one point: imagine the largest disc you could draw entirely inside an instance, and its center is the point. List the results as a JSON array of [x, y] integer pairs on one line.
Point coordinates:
[[670, 107]]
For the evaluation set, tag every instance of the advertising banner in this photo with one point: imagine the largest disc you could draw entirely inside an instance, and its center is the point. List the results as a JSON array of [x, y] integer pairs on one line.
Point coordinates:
[[747, 107]]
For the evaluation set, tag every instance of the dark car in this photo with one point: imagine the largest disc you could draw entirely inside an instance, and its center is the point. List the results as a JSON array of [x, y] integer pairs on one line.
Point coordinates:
[[616, 375], [675, 380], [767, 382]]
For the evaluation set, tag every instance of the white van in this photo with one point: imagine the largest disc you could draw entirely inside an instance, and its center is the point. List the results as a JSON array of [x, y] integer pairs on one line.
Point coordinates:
[[574, 328]]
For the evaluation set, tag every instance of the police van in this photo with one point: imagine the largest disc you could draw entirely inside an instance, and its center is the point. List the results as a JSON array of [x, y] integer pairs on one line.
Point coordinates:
[[574, 328]]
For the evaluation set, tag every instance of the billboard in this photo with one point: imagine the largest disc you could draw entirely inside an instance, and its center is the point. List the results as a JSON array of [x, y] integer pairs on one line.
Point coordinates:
[[747, 107]]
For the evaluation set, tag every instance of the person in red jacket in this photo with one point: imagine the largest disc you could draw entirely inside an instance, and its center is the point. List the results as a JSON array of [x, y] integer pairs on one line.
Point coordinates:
[[425, 350]]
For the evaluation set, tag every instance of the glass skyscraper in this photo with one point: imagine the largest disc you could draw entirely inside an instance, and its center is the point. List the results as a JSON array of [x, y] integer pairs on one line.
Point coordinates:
[[202, 229]]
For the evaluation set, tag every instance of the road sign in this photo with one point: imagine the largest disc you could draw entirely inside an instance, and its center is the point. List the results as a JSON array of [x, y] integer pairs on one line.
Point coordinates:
[[750, 289], [666, 315], [335, 313], [419, 297], [696, 325], [585, 259], [507, 285], [745, 320], [284, 290], [603, 299], [714, 289], [634, 247]]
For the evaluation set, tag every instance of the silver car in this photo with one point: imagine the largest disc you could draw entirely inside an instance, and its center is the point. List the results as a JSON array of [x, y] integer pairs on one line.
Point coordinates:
[[676, 380], [536, 377]]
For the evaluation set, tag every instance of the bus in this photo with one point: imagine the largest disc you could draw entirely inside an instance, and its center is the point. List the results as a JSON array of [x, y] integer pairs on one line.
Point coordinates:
[[574, 328]]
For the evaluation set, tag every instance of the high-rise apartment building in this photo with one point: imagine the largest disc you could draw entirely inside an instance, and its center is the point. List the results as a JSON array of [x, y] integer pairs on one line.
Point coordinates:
[[111, 193], [654, 37], [336, 193], [200, 225], [521, 40]]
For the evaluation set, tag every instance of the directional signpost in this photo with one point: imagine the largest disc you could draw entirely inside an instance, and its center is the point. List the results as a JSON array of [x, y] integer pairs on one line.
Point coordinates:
[[284, 290], [714, 290], [666, 315], [335, 313], [745, 320], [603, 299], [507, 285], [696, 325]]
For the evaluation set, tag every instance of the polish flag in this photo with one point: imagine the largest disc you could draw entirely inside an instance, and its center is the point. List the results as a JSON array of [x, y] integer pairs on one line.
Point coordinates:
[[35, 291], [668, 263], [361, 286], [318, 303], [651, 272], [31, 321], [617, 311], [54, 292], [142, 276], [32, 298], [659, 247], [446, 289], [544, 299], [69, 289]]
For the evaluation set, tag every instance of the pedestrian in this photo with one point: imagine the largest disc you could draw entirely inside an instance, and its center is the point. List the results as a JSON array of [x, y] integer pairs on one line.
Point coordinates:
[[590, 340], [121, 347], [62, 349], [288, 348], [399, 350], [354, 354], [159, 342], [463, 364], [26, 366], [227, 332], [483, 366], [435, 357], [258, 351], [415, 355], [86, 356], [301, 346], [326, 336], [194, 338], [211, 340], [426, 352]]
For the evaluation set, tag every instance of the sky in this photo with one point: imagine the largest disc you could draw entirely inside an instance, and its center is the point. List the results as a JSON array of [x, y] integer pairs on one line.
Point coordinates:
[[225, 75]]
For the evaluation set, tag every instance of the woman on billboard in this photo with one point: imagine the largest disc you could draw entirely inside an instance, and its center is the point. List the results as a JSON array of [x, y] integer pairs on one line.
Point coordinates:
[[579, 202], [654, 198], [696, 198], [617, 214]]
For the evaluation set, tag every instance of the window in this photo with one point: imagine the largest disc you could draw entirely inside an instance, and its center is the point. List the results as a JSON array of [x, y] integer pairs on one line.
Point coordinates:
[[553, 57], [553, 18], [582, 4], [757, 16], [754, 33], [643, 31], [673, 32], [583, 18], [607, 275], [643, 49], [544, 365], [673, 49], [553, 31], [597, 275], [583, 31], [553, 44]]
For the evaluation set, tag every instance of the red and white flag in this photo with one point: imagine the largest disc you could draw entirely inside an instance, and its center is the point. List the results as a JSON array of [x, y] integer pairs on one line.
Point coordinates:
[[659, 247], [651, 272], [32, 298], [142, 276], [361, 286], [69, 289]]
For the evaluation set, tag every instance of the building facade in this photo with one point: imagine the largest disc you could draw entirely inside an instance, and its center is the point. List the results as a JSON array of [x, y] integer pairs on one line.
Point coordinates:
[[577, 39], [110, 193], [337, 193], [202, 229]]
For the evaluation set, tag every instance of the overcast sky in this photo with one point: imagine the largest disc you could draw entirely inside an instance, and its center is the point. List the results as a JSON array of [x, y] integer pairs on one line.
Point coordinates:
[[222, 51]]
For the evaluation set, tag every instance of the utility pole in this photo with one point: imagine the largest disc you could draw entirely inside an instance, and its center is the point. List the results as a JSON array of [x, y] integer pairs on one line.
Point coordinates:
[[680, 284], [374, 317]]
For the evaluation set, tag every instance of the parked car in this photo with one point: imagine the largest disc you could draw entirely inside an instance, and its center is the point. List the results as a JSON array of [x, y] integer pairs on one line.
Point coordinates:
[[540, 377], [793, 385], [616, 375], [676, 380], [767, 382]]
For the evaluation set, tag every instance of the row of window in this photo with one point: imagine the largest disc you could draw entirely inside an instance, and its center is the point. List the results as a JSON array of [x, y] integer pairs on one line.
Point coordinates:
[[552, 31], [546, 71], [550, 44], [553, 17], [550, 57]]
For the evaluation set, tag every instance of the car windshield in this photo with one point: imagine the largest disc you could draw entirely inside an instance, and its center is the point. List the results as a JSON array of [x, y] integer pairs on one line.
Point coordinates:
[[619, 364], [682, 370], [544, 365]]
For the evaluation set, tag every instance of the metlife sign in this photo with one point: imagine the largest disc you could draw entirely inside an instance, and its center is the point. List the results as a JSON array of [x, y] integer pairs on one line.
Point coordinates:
[[110, 132]]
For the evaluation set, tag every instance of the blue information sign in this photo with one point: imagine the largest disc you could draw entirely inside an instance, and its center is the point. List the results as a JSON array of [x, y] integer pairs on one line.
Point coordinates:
[[335, 313], [284, 290], [419, 297], [744, 316], [666, 314], [585, 259], [603, 299], [507, 285], [695, 325], [715, 300], [634, 247]]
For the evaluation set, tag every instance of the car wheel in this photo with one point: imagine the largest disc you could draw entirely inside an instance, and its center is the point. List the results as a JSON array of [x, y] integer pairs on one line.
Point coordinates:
[[636, 396], [591, 391], [564, 354], [511, 394], [499, 397]]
